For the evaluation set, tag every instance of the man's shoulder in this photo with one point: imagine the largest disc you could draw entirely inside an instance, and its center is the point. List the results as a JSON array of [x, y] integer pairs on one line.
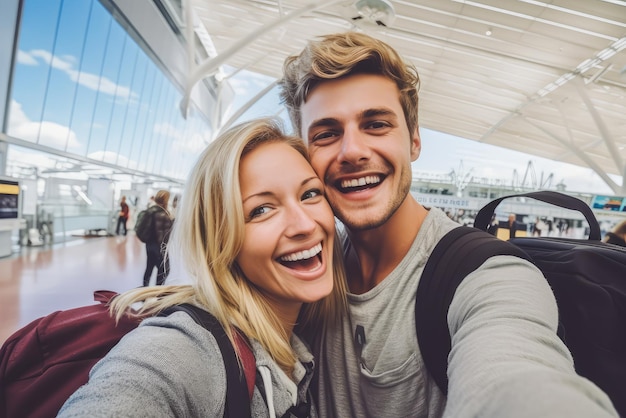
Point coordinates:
[[435, 226]]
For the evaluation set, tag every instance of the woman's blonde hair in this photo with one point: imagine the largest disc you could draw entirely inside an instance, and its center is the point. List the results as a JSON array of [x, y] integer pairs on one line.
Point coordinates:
[[207, 237], [341, 55]]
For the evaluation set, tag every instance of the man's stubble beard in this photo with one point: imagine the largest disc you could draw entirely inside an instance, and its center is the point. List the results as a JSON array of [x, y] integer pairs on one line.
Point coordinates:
[[389, 210]]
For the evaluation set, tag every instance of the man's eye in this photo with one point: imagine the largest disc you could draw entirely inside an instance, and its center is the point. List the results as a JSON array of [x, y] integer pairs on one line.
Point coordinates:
[[258, 211], [377, 125], [310, 194], [323, 135]]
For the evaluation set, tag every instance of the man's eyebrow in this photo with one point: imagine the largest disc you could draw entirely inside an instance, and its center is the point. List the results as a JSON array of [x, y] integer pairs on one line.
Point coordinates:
[[377, 111], [323, 122], [367, 113]]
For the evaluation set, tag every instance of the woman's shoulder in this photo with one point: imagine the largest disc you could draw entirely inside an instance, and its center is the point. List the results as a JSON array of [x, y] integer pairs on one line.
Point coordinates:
[[174, 340], [178, 328], [162, 365], [177, 345]]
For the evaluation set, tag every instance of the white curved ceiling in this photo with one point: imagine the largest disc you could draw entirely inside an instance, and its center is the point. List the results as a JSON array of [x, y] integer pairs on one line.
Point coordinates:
[[549, 80]]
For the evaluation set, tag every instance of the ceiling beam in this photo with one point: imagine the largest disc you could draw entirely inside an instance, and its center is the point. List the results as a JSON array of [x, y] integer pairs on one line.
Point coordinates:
[[579, 153], [246, 106], [210, 65], [604, 132]]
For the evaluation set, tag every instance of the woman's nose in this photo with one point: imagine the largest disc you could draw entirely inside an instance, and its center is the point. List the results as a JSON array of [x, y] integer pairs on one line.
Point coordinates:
[[299, 222]]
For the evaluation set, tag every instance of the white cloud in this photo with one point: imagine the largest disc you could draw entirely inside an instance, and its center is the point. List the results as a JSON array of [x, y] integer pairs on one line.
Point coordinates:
[[168, 130], [102, 84], [246, 84], [240, 86], [192, 146], [49, 133], [16, 114], [25, 58], [31, 157], [66, 64], [180, 143], [51, 60]]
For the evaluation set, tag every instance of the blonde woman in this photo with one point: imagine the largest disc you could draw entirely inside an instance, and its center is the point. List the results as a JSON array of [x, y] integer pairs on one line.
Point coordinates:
[[259, 248]]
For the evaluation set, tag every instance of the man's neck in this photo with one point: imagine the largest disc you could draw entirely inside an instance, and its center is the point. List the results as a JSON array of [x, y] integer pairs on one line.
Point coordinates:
[[376, 252]]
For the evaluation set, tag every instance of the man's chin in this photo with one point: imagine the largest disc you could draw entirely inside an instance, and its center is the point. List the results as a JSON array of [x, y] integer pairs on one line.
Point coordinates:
[[357, 221]]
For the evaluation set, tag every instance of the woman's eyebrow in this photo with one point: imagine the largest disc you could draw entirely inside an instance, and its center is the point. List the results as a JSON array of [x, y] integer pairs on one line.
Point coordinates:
[[270, 193], [308, 180], [260, 194]]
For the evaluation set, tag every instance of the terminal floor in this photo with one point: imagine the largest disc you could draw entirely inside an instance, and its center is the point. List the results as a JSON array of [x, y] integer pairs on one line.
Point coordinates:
[[37, 281]]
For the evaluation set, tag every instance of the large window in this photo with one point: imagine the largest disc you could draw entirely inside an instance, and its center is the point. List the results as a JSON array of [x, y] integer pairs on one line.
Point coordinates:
[[83, 86]]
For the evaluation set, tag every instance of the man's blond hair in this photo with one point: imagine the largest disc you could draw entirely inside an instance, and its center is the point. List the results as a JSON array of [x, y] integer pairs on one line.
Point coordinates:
[[341, 55]]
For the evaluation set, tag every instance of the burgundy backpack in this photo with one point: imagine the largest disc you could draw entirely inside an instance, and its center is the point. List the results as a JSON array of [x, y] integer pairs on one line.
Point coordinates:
[[46, 361]]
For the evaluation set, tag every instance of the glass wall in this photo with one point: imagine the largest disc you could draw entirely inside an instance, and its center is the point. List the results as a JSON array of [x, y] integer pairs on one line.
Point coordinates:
[[83, 86]]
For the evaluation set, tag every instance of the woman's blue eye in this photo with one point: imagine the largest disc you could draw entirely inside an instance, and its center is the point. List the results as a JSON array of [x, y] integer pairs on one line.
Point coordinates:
[[309, 194], [261, 210]]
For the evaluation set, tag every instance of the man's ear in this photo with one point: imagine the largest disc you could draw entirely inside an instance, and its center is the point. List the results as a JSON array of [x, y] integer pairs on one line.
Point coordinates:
[[416, 144]]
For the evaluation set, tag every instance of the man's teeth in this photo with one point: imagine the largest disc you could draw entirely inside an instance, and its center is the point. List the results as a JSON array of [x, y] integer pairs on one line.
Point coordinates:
[[360, 181], [303, 255]]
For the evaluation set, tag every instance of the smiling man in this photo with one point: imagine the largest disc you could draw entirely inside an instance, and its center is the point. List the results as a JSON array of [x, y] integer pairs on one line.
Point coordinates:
[[355, 102]]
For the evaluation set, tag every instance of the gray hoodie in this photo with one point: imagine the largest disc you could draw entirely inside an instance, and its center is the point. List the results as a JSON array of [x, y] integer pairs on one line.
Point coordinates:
[[171, 366]]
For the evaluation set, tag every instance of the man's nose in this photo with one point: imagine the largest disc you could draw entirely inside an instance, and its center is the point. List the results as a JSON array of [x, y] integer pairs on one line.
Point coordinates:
[[354, 147]]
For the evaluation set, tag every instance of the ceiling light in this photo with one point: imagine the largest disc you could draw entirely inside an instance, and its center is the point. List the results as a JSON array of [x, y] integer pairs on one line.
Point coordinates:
[[488, 32], [374, 13], [605, 54], [619, 44]]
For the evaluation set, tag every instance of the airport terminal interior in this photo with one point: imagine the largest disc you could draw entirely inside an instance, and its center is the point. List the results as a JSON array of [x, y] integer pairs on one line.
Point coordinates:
[[112, 98]]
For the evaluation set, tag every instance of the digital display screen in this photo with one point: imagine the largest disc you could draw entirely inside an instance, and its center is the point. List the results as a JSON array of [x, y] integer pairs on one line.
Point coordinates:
[[615, 203], [9, 194]]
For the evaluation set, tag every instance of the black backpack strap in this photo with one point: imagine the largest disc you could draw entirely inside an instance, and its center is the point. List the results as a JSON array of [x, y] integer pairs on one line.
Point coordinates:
[[237, 395], [457, 254], [554, 198]]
